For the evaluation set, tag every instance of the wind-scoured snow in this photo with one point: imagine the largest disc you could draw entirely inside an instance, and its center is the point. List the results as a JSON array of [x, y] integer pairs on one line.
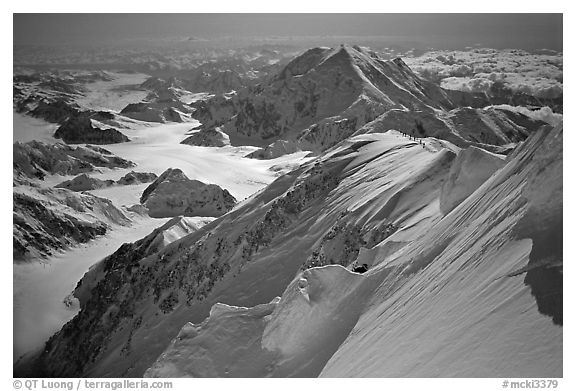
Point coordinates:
[[451, 304], [455, 301], [470, 169], [288, 337]]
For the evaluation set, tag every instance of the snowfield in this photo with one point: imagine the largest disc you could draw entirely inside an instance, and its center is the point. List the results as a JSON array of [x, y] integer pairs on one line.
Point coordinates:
[[114, 94], [26, 128], [157, 148]]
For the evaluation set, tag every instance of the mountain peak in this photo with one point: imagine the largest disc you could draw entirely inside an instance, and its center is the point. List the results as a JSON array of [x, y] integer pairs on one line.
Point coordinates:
[[398, 61], [304, 62]]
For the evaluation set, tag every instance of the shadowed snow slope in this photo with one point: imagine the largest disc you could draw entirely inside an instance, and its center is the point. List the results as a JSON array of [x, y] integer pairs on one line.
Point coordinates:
[[470, 169]]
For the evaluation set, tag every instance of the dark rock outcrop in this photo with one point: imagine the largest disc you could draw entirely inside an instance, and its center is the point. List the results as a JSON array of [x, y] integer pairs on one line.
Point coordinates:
[[55, 111], [208, 138], [80, 130], [83, 182], [45, 220], [134, 178], [36, 159], [163, 105]]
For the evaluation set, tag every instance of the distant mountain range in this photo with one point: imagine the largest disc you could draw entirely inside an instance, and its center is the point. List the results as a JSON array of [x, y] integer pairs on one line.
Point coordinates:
[[326, 95]]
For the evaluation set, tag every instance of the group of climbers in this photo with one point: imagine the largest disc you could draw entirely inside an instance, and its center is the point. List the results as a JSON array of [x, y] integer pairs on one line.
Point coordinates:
[[414, 138]]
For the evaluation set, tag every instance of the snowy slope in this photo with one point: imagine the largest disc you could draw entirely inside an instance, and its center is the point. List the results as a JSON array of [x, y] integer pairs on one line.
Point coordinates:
[[26, 128], [251, 254], [470, 169], [472, 297]]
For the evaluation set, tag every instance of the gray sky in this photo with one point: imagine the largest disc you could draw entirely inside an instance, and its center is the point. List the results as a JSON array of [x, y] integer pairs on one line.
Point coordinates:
[[528, 31]]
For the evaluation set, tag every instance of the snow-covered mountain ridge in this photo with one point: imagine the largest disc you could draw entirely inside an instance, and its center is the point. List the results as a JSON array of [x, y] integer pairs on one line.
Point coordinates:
[[375, 199], [453, 207], [450, 303], [325, 95]]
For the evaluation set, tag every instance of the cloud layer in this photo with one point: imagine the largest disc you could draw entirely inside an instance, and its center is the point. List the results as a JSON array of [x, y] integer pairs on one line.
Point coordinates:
[[479, 70], [543, 113]]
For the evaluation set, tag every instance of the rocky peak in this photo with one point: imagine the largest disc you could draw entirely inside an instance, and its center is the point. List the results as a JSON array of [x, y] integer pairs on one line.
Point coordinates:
[[170, 175], [80, 129], [174, 194], [304, 62]]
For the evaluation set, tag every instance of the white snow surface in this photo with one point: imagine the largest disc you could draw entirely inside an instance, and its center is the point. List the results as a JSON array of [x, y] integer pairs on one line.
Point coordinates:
[[448, 302], [460, 311], [41, 287], [288, 337], [26, 128], [469, 170], [114, 94], [157, 148]]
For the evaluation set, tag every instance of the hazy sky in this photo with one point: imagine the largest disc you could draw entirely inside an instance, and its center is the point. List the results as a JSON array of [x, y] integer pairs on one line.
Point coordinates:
[[528, 31]]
